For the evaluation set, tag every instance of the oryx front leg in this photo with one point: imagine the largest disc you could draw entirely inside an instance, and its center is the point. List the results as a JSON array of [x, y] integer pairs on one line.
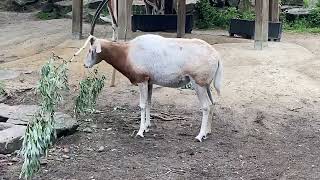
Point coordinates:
[[143, 101], [206, 108]]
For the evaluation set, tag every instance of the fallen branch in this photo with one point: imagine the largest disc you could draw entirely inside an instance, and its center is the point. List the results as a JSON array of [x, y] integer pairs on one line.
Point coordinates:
[[166, 117], [295, 109]]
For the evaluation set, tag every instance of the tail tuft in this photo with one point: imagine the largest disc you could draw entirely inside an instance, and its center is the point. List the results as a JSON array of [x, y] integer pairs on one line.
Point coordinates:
[[218, 78]]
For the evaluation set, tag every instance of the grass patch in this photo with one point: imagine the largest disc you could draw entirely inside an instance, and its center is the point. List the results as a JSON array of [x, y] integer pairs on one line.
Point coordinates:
[[48, 16]]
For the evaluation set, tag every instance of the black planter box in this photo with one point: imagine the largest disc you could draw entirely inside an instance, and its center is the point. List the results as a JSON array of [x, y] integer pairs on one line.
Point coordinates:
[[153, 23], [246, 29]]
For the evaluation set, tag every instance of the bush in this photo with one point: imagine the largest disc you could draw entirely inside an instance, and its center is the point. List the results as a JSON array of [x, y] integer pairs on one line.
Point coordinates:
[[209, 16], [310, 23], [314, 18]]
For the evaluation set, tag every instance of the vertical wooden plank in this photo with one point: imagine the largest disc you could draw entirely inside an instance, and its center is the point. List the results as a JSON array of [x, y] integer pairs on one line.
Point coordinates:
[[115, 11], [77, 9], [261, 24], [274, 10], [129, 18], [123, 12], [181, 23], [124, 19]]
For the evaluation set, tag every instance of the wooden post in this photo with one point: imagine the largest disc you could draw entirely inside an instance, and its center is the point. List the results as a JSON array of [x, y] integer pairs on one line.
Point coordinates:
[[77, 9], [274, 10], [181, 23], [124, 19], [129, 18], [123, 11], [115, 11], [261, 24]]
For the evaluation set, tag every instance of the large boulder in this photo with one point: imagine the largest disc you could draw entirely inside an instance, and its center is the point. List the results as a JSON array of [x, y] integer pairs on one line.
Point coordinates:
[[93, 4], [292, 2], [64, 6], [24, 2], [13, 121], [10, 137], [22, 114], [8, 74]]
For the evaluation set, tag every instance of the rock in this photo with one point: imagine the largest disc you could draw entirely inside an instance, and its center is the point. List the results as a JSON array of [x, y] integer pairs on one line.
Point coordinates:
[[106, 19], [65, 124], [24, 2], [10, 137], [66, 150], [94, 126], [22, 114], [65, 6], [43, 162], [15, 159], [101, 148], [65, 156], [49, 7], [292, 14], [292, 2], [298, 11], [234, 3], [14, 120], [87, 130], [93, 4], [8, 74], [18, 115], [28, 72]]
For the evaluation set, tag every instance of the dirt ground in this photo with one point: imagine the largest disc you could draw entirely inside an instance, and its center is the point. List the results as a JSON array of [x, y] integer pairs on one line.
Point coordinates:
[[266, 123]]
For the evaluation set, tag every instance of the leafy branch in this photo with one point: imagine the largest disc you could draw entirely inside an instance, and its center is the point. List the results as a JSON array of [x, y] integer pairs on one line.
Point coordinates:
[[90, 87], [40, 132]]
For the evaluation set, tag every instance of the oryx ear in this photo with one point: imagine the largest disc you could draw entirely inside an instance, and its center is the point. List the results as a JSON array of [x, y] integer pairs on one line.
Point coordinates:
[[98, 46]]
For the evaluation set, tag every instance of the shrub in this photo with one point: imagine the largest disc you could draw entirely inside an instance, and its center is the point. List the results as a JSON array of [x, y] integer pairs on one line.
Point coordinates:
[[209, 16]]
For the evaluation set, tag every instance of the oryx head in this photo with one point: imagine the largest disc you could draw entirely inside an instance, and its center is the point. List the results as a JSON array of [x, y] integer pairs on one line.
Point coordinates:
[[92, 58]]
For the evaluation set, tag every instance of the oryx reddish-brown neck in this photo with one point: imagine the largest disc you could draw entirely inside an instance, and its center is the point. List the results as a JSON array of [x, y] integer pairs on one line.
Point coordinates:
[[116, 54]]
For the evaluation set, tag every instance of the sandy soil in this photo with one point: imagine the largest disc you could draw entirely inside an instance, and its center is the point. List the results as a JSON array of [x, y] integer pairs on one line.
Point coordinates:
[[266, 123]]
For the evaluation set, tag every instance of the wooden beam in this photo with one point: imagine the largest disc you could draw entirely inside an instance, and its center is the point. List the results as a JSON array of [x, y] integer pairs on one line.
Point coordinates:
[[274, 10], [181, 23], [77, 9], [261, 24]]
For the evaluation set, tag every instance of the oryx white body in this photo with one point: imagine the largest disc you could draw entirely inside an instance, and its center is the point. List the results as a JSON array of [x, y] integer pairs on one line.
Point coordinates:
[[170, 62]]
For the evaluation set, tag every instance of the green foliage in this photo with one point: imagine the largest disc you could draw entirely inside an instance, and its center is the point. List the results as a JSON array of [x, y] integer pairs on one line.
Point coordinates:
[[309, 24], [209, 16], [90, 87], [105, 12], [314, 18], [40, 131], [2, 91], [47, 16], [306, 3]]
